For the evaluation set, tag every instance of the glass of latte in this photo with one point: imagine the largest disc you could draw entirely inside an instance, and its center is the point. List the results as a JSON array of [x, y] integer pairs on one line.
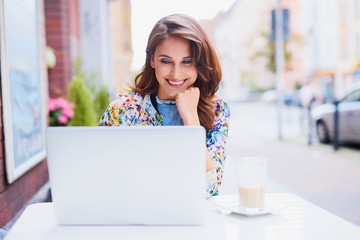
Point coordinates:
[[251, 180]]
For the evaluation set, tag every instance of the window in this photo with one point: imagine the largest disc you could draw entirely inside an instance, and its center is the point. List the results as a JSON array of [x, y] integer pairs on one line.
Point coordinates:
[[352, 97]]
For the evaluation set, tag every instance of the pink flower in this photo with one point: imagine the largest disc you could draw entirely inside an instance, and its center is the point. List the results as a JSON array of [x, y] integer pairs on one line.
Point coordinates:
[[52, 104], [68, 110], [55, 103], [60, 102], [62, 119]]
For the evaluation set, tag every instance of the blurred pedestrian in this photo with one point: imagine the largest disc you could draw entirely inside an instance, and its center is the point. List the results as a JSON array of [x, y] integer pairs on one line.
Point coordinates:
[[177, 86], [306, 96]]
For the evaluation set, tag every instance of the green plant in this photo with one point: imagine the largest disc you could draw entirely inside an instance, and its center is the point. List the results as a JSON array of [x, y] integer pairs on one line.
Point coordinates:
[[84, 113], [101, 101], [91, 97], [297, 85], [89, 77]]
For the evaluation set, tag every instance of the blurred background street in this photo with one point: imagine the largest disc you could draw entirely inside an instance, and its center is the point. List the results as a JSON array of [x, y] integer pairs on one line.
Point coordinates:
[[327, 178]]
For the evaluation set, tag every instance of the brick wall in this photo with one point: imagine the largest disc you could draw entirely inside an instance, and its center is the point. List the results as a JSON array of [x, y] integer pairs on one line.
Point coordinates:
[[74, 30], [57, 19], [14, 196], [74, 19]]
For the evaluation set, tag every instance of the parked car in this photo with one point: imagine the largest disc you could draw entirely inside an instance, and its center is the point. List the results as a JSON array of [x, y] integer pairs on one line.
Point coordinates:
[[293, 98], [349, 119], [268, 96]]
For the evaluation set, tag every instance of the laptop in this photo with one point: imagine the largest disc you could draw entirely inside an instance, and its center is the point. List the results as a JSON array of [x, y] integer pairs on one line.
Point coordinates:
[[127, 175]]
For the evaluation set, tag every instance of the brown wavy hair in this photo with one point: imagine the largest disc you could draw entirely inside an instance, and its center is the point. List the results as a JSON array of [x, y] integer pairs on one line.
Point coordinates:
[[203, 54]]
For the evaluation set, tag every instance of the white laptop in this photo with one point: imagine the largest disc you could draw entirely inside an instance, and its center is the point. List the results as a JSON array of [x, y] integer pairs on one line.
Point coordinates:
[[127, 175]]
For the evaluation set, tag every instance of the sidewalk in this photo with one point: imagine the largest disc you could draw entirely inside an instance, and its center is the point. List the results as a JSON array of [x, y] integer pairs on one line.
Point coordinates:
[[317, 173]]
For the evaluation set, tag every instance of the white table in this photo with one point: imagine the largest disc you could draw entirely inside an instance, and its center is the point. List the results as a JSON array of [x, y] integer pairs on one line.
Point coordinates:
[[294, 219]]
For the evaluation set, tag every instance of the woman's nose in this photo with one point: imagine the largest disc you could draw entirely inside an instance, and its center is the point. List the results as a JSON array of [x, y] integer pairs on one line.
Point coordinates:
[[175, 72]]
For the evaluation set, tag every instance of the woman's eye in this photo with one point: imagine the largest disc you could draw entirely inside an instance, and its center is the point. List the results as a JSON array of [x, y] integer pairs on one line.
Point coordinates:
[[187, 61], [165, 61]]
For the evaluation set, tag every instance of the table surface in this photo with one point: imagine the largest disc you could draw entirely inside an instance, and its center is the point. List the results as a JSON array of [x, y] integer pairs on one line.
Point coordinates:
[[292, 218]]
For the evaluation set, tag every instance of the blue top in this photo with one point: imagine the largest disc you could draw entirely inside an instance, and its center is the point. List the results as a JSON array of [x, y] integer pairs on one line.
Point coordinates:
[[169, 112]]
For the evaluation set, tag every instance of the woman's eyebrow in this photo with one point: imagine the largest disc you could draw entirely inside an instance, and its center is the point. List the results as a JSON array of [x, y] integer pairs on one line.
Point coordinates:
[[166, 56]]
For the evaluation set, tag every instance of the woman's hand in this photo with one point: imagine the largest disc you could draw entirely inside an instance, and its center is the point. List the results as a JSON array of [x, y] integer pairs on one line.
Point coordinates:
[[187, 103]]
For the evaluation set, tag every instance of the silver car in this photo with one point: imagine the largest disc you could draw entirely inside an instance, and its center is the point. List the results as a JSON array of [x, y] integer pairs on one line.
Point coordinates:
[[349, 119]]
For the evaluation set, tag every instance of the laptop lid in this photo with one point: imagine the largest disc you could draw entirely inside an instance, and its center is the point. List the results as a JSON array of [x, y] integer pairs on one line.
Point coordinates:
[[127, 175]]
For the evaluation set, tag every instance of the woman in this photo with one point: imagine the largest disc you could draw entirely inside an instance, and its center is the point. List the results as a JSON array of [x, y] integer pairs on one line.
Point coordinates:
[[177, 86]]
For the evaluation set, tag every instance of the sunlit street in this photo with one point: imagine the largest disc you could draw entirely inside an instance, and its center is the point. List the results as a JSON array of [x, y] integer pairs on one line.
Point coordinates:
[[327, 178]]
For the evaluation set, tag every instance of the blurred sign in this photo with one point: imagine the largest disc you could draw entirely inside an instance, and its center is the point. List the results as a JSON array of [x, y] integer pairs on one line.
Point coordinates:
[[357, 75], [286, 32]]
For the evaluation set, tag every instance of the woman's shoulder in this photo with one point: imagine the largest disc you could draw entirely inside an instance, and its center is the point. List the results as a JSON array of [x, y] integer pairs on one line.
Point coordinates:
[[221, 106], [222, 116], [129, 98]]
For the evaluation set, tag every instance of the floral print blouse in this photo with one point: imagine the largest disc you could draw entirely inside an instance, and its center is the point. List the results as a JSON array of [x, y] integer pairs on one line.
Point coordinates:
[[134, 109]]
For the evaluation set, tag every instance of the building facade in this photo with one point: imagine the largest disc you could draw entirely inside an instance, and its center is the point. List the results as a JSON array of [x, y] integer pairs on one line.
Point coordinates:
[[238, 34], [96, 31], [348, 45], [324, 46]]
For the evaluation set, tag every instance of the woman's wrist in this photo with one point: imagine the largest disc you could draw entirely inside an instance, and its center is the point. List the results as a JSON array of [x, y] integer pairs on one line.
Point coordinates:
[[192, 121]]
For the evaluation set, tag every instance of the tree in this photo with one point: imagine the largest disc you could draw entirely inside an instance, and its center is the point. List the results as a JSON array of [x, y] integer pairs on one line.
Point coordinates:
[[268, 52]]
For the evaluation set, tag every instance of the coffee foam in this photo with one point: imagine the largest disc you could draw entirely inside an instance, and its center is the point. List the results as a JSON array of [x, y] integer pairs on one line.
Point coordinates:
[[252, 197]]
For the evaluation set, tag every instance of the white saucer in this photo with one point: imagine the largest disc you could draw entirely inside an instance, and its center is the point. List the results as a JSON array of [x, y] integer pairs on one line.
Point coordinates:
[[238, 210], [233, 206]]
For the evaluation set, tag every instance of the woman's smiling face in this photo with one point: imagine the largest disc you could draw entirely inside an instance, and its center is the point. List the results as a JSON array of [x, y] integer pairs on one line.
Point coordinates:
[[174, 68]]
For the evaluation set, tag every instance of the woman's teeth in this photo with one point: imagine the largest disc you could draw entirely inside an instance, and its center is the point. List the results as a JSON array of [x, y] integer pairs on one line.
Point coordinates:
[[176, 83]]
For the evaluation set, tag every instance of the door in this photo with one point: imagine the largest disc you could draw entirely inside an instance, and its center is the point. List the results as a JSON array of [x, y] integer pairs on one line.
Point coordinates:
[[349, 117]]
